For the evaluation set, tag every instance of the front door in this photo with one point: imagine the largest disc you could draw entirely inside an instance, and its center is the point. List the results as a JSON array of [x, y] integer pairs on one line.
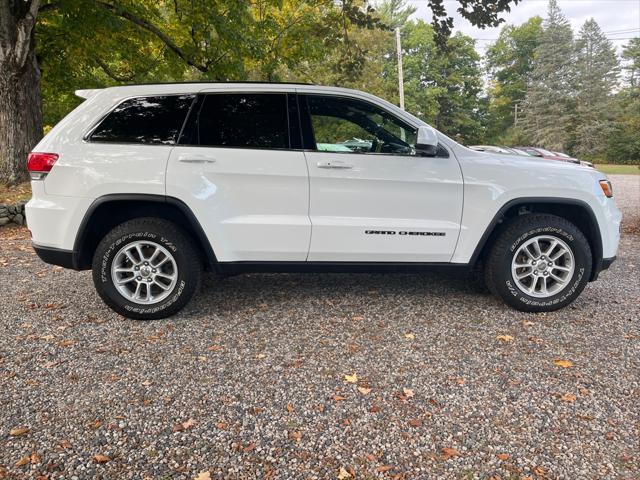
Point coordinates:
[[373, 198]]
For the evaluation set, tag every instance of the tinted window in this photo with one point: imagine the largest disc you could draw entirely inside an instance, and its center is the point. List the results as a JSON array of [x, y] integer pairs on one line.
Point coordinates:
[[244, 120], [349, 125], [152, 120]]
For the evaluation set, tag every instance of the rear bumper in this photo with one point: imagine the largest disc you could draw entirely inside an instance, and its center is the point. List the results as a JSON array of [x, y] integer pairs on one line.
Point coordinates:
[[57, 256]]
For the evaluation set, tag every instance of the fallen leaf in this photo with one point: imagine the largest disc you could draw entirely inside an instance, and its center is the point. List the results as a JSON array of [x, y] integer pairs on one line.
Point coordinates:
[[364, 390], [416, 422], [448, 453], [16, 432], [95, 424], [260, 356], [23, 461], [528, 323], [568, 397], [374, 409], [384, 468], [357, 318], [503, 456], [101, 458], [66, 343], [351, 378], [189, 424], [505, 338], [409, 336], [407, 392], [297, 436], [339, 398], [249, 447], [371, 458], [343, 474], [35, 458], [540, 471], [609, 435], [203, 476], [290, 408], [220, 426], [214, 348], [563, 363], [66, 444]]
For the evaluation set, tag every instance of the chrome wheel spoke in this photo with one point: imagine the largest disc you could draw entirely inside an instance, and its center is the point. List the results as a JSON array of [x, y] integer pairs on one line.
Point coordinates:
[[153, 257], [124, 281], [130, 257], [561, 268], [558, 254], [520, 276], [162, 286], [557, 278]]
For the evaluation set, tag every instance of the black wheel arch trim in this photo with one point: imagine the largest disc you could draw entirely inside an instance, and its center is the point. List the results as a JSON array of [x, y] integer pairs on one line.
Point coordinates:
[[597, 249], [196, 228]]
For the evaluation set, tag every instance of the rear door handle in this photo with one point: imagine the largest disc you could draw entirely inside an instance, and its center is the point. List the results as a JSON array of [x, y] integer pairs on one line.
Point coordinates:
[[196, 159], [334, 164]]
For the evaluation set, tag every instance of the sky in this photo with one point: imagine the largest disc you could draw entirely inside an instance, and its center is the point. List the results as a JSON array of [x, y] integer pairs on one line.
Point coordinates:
[[619, 19]]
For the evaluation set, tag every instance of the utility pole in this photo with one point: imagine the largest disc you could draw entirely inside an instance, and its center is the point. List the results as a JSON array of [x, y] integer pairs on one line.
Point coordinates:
[[515, 120], [400, 74]]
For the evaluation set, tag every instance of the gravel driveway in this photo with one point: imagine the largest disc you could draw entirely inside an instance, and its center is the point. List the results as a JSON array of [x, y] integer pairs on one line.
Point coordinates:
[[320, 376]]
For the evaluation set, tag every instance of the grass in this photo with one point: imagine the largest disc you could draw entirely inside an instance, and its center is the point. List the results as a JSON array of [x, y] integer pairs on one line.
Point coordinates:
[[15, 194], [619, 169]]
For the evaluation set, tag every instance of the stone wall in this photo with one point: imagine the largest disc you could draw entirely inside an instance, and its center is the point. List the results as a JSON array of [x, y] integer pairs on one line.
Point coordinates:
[[12, 213]]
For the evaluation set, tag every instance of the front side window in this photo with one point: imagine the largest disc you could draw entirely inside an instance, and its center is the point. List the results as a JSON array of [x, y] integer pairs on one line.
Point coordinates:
[[350, 125], [146, 120], [244, 120]]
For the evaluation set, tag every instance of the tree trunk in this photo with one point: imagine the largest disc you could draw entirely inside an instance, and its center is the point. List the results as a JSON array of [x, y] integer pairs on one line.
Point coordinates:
[[20, 103], [20, 118]]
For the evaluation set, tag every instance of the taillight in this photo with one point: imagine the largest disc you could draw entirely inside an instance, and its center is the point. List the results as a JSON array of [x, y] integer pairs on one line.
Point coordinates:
[[39, 164]]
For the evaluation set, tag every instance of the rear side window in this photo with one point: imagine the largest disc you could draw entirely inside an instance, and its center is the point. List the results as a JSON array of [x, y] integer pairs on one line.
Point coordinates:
[[147, 120], [244, 120]]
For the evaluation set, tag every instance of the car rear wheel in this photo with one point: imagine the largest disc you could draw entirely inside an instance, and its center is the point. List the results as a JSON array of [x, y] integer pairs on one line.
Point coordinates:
[[538, 263], [146, 268]]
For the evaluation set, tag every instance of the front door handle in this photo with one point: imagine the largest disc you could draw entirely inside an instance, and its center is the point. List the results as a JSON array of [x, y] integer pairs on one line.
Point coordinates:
[[334, 164], [196, 159]]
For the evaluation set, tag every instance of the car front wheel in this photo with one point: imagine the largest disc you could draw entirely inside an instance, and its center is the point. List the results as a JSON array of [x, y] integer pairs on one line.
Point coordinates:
[[538, 263], [146, 268]]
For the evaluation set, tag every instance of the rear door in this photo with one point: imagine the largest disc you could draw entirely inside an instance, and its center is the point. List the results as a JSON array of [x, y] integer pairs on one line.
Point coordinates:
[[373, 198], [240, 168]]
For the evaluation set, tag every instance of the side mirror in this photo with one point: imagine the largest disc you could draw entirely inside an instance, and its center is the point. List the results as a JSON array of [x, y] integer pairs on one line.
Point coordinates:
[[427, 142]]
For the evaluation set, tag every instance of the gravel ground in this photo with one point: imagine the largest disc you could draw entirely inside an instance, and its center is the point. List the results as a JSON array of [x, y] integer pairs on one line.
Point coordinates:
[[320, 376]]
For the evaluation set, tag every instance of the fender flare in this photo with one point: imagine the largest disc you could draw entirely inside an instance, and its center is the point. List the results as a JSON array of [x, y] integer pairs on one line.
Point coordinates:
[[597, 249], [193, 222]]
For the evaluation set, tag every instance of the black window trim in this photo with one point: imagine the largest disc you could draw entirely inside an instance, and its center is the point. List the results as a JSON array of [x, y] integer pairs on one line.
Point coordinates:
[[309, 134], [87, 136], [291, 130]]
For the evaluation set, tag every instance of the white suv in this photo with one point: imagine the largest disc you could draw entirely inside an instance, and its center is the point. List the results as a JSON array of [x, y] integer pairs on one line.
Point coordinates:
[[147, 185]]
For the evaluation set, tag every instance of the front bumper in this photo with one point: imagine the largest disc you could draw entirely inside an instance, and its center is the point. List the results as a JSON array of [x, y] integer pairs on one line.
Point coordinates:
[[600, 266]]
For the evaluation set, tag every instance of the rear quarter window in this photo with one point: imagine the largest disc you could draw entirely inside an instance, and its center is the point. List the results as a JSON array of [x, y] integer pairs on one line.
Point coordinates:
[[153, 120]]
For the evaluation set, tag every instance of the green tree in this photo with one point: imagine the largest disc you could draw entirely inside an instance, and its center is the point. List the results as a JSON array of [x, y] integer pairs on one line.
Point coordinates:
[[509, 63], [596, 76], [548, 102], [624, 141]]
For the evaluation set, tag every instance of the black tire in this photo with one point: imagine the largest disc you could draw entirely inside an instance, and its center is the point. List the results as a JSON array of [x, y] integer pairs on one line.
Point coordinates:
[[498, 272], [159, 232]]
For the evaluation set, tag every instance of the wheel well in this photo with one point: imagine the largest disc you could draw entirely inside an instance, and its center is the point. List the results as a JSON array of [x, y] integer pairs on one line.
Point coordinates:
[[105, 214], [578, 214]]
